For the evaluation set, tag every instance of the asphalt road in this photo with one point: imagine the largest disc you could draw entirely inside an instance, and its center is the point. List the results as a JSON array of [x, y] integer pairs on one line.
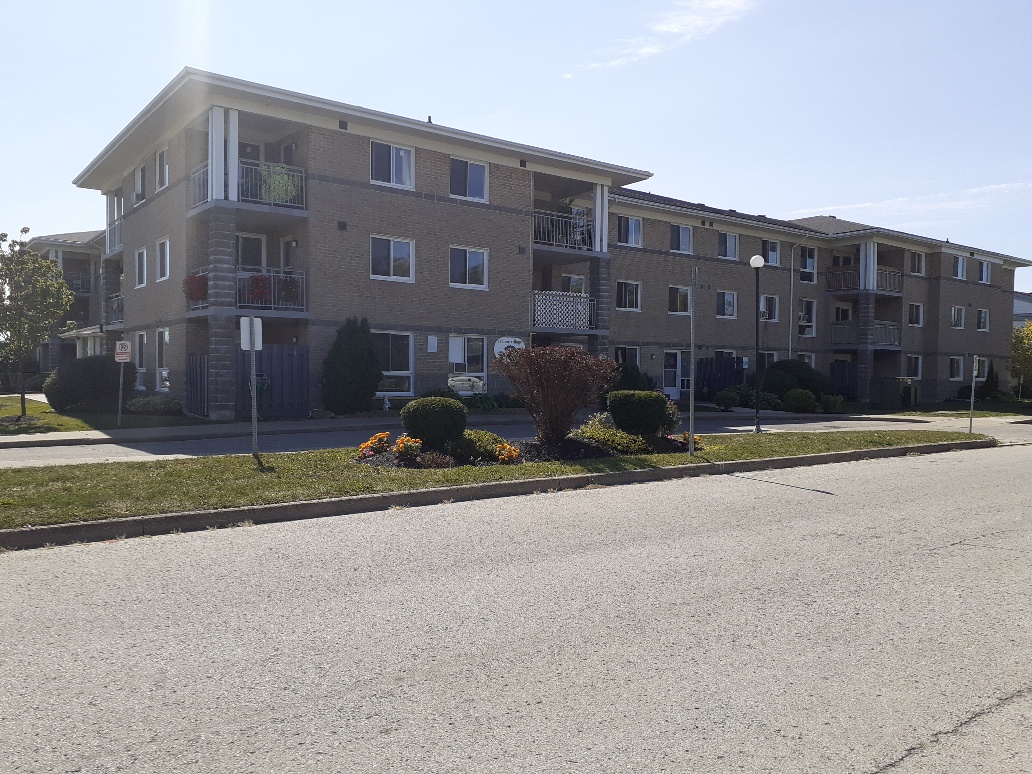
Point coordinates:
[[863, 617]]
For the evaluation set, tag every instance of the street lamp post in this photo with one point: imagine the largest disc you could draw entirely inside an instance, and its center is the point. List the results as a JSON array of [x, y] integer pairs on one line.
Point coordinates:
[[757, 263]]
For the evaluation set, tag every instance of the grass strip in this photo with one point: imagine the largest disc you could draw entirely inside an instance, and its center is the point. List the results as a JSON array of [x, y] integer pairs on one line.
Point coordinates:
[[68, 493], [49, 421]]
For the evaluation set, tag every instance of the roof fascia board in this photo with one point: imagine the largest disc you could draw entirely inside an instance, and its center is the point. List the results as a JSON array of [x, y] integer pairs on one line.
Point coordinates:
[[694, 213], [919, 242]]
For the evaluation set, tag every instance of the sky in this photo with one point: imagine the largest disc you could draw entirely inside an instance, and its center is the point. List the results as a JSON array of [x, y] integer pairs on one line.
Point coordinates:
[[908, 114]]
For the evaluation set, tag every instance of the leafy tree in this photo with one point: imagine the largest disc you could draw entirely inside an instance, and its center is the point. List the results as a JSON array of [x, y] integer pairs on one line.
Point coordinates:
[[1021, 352], [33, 296], [351, 371], [555, 382]]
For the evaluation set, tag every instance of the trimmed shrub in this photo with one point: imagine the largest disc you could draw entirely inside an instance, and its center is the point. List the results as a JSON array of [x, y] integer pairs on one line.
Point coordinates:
[[990, 386], [727, 400], [778, 381], [158, 405], [832, 404], [633, 378], [351, 371], [638, 412], [480, 403], [88, 384], [437, 422], [672, 417], [442, 392], [484, 444], [600, 429], [800, 401], [506, 401], [805, 375]]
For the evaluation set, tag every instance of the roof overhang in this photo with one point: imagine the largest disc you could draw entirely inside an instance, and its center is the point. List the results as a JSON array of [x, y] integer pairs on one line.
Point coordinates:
[[926, 244]]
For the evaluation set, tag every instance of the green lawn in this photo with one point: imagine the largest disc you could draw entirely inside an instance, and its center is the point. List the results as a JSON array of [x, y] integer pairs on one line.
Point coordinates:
[[90, 492], [45, 420]]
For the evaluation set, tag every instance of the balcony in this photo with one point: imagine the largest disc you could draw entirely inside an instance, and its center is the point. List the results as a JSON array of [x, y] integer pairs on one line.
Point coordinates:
[[558, 311], [114, 310], [573, 232], [114, 236], [886, 280], [275, 289], [276, 185], [79, 281], [880, 333]]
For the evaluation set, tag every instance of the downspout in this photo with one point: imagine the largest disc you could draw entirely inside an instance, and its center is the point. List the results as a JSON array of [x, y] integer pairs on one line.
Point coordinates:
[[791, 297]]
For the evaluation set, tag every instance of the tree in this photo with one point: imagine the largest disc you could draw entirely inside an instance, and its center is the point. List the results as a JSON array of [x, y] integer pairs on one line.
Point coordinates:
[[351, 371], [33, 296], [1021, 352], [555, 383]]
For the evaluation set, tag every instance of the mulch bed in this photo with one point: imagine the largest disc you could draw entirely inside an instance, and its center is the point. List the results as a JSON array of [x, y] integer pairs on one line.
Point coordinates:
[[19, 420]]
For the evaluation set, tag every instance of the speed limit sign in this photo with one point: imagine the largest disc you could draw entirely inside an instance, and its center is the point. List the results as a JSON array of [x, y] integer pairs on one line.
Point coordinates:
[[123, 352]]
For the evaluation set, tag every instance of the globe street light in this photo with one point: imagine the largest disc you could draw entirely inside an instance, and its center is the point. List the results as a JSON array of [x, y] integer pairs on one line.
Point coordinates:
[[757, 263]]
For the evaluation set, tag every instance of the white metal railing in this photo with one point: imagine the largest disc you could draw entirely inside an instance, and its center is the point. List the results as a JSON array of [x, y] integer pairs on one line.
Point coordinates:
[[880, 333], [277, 289], [556, 309], [277, 184], [115, 309], [195, 286], [199, 193], [114, 235], [888, 280], [79, 281], [572, 231]]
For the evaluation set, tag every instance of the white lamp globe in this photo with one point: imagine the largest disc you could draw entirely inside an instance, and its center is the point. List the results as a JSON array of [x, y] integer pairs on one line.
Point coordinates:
[[757, 261]]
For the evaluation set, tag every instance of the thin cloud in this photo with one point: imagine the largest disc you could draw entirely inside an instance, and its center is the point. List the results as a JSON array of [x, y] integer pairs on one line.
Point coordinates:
[[688, 20], [980, 197]]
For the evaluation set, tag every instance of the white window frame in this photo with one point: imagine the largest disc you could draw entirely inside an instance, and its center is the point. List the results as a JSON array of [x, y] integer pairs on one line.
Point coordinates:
[[727, 237], [804, 256], [959, 359], [583, 283], [982, 371], [468, 285], [978, 320], [161, 341], [168, 260], [682, 380], [727, 353], [627, 350], [412, 259], [734, 302], [632, 231], [920, 365], [680, 239], [813, 318], [236, 250], [773, 357], [140, 185], [807, 357], [487, 180], [637, 294], [412, 163], [984, 272], [140, 341], [954, 316], [161, 169], [765, 308], [287, 245], [959, 267], [770, 247], [920, 315], [914, 254], [411, 373], [141, 264], [465, 339], [843, 313], [687, 297]]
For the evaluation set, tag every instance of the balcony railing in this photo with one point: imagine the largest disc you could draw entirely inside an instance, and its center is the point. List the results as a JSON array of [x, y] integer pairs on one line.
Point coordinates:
[[258, 183], [888, 280], [114, 309], [880, 333], [572, 231], [79, 281], [276, 289], [196, 288], [555, 309], [114, 236]]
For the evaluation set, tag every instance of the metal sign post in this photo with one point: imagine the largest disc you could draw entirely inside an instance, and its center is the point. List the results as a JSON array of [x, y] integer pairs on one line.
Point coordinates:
[[251, 340], [691, 366], [971, 411], [123, 354]]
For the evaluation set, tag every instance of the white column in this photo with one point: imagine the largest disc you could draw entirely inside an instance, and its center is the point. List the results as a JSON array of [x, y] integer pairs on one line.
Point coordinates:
[[216, 153], [59, 256], [601, 210], [868, 265], [232, 156], [110, 204]]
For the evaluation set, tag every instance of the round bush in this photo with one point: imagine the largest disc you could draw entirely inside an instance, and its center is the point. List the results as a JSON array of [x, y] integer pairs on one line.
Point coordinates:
[[481, 403], [832, 404], [800, 401], [726, 400], [437, 422], [87, 384], [638, 412], [485, 443], [778, 381]]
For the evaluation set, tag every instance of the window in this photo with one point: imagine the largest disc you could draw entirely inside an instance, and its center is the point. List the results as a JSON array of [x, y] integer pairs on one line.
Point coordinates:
[[468, 268], [575, 283], [390, 164], [807, 264], [983, 272], [163, 260], [141, 268], [468, 179], [982, 369], [628, 355], [723, 354], [914, 366], [140, 187], [956, 369], [680, 300], [917, 263], [728, 247], [915, 315], [767, 359], [250, 250], [769, 308], [467, 364], [982, 319], [807, 317], [680, 238], [727, 303], [394, 351], [391, 259], [628, 230], [141, 360], [841, 260], [959, 267], [807, 357], [769, 251], [843, 313], [628, 296], [160, 169], [161, 369], [957, 317]]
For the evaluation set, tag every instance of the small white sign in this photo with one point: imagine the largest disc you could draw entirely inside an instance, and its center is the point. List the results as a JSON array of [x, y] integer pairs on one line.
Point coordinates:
[[508, 342], [123, 352], [245, 334]]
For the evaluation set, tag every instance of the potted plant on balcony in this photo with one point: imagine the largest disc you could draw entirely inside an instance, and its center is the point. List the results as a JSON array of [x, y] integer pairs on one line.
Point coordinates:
[[290, 291], [259, 289], [196, 287], [279, 185]]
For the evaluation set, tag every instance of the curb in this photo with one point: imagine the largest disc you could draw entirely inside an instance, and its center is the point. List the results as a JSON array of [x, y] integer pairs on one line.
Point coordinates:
[[190, 521]]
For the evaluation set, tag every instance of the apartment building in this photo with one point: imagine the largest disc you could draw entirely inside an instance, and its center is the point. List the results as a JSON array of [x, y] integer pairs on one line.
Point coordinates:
[[227, 199]]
